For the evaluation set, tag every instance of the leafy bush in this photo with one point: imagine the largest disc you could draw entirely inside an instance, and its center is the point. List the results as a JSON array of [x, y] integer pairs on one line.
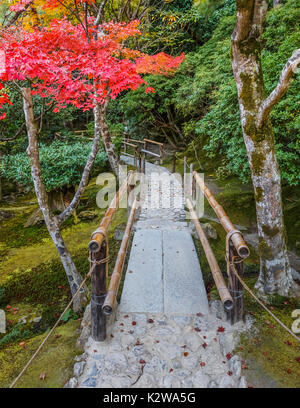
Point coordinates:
[[61, 163]]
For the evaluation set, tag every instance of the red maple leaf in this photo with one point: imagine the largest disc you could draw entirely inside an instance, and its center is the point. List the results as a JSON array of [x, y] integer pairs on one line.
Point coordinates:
[[228, 356], [221, 329]]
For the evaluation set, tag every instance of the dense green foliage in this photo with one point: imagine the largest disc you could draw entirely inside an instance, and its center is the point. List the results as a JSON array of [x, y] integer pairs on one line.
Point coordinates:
[[197, 108], [61, 163]]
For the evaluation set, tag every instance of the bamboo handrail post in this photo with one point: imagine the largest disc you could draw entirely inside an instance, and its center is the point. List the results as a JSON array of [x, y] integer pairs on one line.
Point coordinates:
[[144, 163], [161, 154], [98, 294], [191, 180], [184, 171], [234, 285], [135, 156], [174, 162]]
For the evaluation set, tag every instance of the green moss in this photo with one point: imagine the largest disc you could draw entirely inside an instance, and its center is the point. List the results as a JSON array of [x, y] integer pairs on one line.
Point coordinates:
[[268, 350], [247, 93], [271, 232], [265, 250], [60, 348], [258, 159], [258, 194]]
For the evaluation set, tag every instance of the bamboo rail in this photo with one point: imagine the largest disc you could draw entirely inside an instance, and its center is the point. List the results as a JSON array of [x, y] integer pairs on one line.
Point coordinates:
[[99, 256], [140, 153], [225, 296], [236, 237], [97, 237], [118, 269], [154, 142], [236, 251]]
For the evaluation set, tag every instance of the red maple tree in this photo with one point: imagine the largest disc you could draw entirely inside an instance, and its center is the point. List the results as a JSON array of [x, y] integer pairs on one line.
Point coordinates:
[[67, 66]]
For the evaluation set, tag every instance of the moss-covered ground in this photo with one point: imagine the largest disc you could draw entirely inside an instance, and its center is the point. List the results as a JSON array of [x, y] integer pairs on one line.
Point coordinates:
[[33, 284]]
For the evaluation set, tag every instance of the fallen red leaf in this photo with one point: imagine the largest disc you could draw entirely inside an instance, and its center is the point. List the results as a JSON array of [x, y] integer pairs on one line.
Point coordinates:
[[133, 323], [197, 329], [150, 321], [228, 356], [142, 361], [215, 339], [298, 359], [288, 343], [199, 314], [229, 373], [288, 370], [244, 367], [202, 364], [171, 369], [221, 329], [185, 354], [204, 345]]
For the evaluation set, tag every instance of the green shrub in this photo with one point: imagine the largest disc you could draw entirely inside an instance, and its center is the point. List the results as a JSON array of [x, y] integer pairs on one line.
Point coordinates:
[[61, 163]]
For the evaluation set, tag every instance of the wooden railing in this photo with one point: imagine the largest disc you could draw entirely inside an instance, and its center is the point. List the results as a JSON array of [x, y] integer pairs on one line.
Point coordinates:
[[103, 301], [236, 251], [140, 149]]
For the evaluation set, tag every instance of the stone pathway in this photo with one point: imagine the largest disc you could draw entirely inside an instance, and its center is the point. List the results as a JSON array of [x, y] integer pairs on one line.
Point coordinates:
[[164, 334]]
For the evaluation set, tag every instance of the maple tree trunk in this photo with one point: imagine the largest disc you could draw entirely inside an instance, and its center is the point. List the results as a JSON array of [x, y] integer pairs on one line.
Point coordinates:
[[275, 271], [52, 223], [102, 128]]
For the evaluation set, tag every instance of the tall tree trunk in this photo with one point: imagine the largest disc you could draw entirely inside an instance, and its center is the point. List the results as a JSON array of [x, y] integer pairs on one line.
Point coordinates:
[[101, 127], [275, 272], [51, 221]]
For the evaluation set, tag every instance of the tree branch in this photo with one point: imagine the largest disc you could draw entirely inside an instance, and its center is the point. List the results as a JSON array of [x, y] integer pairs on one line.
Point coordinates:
[[17, 15], [281, 88], [100, 13]]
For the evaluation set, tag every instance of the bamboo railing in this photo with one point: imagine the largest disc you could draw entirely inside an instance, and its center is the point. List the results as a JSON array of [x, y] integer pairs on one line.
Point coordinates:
[[116, 276], [141, 150], [236, 251], [225, 296], [99, 256]]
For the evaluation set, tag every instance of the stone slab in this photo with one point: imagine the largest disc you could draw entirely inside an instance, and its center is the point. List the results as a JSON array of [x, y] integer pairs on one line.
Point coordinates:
[[143, 286], [184, 290]]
